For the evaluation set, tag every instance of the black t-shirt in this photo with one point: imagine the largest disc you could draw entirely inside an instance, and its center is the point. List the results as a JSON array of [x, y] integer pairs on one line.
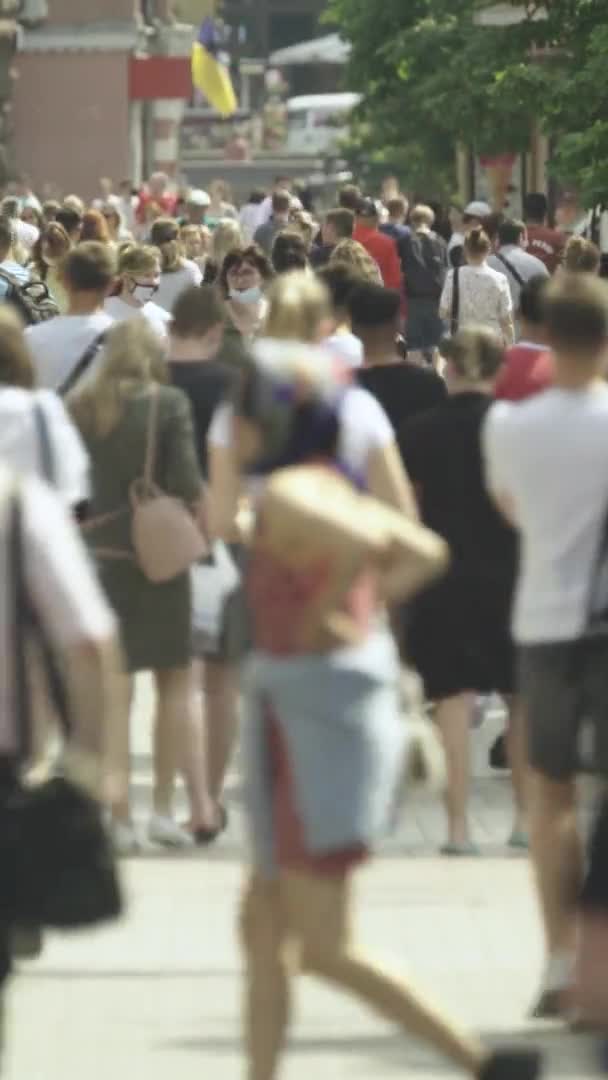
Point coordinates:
[[206, 383], [442, 453], [403, 389]]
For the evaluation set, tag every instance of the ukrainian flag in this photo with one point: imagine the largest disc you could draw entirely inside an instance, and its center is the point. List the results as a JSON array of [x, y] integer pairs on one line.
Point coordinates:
[[209, 74]]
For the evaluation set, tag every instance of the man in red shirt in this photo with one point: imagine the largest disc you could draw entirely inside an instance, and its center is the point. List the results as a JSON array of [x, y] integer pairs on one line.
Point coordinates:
[[156, 193], [528, 366], [547, 244], [382, 249]]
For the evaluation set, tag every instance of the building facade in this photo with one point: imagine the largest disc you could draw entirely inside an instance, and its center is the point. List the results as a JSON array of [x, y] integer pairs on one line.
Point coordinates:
[[99, 92]]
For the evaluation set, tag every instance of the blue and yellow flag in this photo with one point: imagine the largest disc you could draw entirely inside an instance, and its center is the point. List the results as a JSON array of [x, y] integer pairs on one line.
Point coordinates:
[[209, 74]]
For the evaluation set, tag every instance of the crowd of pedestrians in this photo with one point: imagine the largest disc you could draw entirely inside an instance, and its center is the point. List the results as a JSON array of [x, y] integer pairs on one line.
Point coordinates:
[[305, 453]]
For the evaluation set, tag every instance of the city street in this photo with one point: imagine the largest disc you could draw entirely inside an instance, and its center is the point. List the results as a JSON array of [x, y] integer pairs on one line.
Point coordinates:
[[159, 994]]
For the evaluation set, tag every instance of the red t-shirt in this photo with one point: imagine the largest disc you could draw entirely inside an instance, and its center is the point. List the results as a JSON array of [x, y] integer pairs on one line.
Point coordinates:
[[384, 250], [547, 244], [527, 370], [166, 202]]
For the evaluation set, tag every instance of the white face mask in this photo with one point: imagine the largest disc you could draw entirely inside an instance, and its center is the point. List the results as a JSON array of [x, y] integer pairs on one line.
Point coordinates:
[[248, 296], [143, 293]]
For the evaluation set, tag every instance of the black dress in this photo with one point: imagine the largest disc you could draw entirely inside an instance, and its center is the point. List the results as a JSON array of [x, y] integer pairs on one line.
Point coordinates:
[[458, 630]]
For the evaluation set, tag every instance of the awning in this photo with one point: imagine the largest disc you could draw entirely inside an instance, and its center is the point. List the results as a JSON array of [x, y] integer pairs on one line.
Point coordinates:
[[331, 49]]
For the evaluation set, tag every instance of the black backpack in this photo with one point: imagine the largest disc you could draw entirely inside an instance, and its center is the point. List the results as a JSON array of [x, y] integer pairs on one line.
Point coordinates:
[[424, 260], [32, 301]]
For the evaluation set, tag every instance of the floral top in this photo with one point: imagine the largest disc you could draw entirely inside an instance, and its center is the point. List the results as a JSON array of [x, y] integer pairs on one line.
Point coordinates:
[[485, 298]]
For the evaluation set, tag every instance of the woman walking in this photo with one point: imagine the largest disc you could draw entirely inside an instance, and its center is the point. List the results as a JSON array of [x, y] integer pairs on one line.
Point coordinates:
[[138, 283], [476, 294], [177, 272], [458, 630], [115, 415]]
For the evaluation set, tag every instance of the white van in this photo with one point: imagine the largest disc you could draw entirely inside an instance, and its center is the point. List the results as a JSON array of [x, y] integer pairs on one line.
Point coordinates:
[[317, 122]]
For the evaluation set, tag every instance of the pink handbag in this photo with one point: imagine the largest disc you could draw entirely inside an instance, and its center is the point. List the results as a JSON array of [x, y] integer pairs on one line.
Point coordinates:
[[165, 535]]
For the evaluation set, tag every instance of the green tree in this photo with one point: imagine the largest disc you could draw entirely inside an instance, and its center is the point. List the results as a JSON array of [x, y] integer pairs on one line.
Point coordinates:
[[431, 75]]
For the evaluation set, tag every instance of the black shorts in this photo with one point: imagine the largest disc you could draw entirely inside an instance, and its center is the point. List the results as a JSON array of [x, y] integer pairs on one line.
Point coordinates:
[[564, 685]]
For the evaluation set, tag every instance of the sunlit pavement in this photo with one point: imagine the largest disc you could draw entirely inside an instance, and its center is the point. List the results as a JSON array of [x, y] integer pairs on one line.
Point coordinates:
[[158, 995]]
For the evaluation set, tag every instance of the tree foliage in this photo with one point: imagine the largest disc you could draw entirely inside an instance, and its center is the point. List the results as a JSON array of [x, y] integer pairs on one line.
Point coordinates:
[[431, 75]]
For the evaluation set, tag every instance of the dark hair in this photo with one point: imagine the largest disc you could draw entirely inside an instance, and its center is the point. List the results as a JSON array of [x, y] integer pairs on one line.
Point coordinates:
[[341, 282], [7, 234], [510, 232], [576, 313], [69, 218], [492, 223], [57, 240], [50, 209], [281, 202], [531, 300], [397, 207], [475, 352], [235, 258], [289, 252], [91, 267], [582, 256], [373, 306], [94, 227], [196, 310], [535, 207], [342, 220], [164, 235], [477, 242], [257, 196], [350, 197]]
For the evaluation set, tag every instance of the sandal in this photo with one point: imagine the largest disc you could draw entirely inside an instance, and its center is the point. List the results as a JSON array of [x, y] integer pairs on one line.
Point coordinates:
[[204, 836]]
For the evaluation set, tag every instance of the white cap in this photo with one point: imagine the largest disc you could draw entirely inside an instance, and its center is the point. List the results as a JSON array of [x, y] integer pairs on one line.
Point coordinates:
[[198, 197], [478, 208]]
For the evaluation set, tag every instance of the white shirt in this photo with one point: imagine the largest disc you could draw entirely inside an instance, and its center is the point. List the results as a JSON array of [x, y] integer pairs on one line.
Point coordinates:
[[58, 344], [249, 219], [60, 579], [549, 457], [158, 318], [173, 284], [364, 428], [347, 346], [20, 442], [527, 266], [27, 234], [485, 298]]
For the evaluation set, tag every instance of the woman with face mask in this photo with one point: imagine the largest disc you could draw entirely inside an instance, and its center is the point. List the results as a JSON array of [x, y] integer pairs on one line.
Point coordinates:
[[243, 278], [50, 248], [139, 278]]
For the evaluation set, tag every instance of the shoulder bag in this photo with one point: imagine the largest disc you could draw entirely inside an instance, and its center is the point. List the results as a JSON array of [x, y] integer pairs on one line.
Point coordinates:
[[515, 274], [82, 366], [166, 537], [58, 870]]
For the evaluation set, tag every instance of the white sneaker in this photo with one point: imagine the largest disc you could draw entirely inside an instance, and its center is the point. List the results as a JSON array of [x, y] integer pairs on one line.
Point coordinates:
[[165, 831], [124, 838]]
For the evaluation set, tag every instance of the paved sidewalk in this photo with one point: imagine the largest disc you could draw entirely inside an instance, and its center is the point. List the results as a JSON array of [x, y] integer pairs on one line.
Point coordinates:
[[158, 995]]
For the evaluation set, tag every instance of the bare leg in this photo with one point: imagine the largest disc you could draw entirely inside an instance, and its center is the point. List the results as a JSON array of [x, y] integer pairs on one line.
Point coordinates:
[[194, 768], [118, 751], [172, 686], [558, 858], [517, 747], [453, 715], [221, 698], [266, 978]]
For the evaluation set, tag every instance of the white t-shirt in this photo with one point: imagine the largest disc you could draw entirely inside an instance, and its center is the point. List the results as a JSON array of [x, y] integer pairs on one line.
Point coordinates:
[[20, 445], [61, 583], [173, 284], [364, 428], [158, 318], [549, 457], [58, 345], [27, 234], [347, 346], [485, 298]]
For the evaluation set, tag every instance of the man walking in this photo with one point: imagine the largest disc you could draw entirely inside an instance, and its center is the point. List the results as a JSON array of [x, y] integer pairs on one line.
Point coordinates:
[[512, 259], [382, 249], [264, 236]]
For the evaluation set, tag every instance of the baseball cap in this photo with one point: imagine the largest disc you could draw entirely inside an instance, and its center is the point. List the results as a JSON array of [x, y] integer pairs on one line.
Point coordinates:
[[368, 208], [198, 197], [478, 208]]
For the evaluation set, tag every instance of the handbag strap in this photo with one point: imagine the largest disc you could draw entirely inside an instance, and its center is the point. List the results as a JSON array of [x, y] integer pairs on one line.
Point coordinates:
[[151, 438], [508, 265], [27, 625], [47, 457], [82, 366], [455, 300]]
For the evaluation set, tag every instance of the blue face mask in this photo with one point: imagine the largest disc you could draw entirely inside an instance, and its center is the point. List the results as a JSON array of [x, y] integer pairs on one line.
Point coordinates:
[[248, 296]]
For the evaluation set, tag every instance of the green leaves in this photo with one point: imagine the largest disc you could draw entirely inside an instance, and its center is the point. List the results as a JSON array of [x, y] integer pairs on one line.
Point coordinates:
[[430, 77]]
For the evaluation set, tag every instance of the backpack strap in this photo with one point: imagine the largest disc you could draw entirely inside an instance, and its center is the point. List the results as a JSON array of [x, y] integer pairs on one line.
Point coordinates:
[[455, 315], [82, 366], [509, 266]]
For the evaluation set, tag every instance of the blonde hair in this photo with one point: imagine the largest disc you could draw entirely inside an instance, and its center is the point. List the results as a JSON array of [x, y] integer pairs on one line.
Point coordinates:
[[422, 215], [581, 256], [352, 253], [475, 352], [138, 259], [297, 305], [133, 359], [16, 362], [226, 236]]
